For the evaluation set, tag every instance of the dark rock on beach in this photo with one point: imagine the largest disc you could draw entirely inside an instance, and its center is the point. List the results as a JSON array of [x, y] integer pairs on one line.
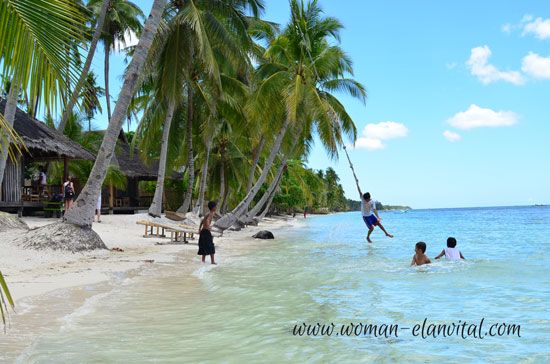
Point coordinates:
[[264, 234]]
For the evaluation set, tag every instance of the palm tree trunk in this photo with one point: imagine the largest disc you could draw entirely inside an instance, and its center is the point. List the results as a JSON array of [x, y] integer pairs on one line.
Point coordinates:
[[82, 213], [256, 157], [222, 186], [204, 174], [229, 219], [106, 70], [87, 64], [270, 201], [225, 199], [9, 115], [256, 209], [270, 191], [155, 209], [190, 160]]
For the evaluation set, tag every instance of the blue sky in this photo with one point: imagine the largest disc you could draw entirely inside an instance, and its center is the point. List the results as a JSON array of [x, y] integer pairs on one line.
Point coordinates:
[[478, 71]]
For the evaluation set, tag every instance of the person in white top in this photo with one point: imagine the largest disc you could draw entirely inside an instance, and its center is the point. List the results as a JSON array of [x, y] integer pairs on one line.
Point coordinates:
[[370, 215], [43, 180], [98, 207], [451, 252]]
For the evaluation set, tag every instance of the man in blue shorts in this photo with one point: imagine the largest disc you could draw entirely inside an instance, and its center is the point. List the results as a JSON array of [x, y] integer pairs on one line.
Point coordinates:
[[370, 215]]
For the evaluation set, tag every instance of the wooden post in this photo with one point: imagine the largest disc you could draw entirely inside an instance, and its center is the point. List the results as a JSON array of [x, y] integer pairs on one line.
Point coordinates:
[[111, 198], [65, 168]]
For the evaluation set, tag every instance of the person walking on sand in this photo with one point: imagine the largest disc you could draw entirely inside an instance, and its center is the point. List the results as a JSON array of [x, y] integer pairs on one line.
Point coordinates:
[[370, 215], [68, 192], [206, 242]]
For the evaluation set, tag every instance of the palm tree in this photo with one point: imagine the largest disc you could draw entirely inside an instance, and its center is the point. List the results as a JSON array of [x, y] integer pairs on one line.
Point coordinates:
[[82, 212], [90, 98], [34, 37], [220, 33], [302, 68], [207, 36], [100, 20], [123, 19]]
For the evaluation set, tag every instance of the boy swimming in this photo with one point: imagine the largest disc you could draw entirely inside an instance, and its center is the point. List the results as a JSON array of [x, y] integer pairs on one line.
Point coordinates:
[[420, 258], [370, 215], [451, 252]]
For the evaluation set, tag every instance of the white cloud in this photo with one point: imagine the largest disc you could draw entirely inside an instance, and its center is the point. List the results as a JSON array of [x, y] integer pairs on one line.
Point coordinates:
[[477, 117], [451, 136], [373, 135], [130, 39], [369, 143], [487, 73], [536, 66], [539, 27]]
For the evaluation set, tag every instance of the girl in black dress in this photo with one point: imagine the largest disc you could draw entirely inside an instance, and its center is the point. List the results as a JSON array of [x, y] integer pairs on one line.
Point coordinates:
[[206, 242]]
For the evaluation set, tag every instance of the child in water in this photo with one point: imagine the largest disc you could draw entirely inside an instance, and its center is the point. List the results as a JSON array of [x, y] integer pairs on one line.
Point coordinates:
[[206, 242], [420, 258], [451, 252]]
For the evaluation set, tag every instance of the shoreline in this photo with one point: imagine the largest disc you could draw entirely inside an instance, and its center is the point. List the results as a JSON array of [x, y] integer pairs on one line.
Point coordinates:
[[49, 287], [32, 273]]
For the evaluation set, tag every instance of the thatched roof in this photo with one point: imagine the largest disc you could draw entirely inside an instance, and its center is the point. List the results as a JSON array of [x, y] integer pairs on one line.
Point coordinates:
[[43, 141], [130, 164]]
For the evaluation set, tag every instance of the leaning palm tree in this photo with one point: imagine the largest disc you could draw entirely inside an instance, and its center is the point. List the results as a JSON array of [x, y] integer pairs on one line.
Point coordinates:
[[34, 37], [166, 60], [123, 19], [301, 71], [219, 33], [82, 212], [208, 35]]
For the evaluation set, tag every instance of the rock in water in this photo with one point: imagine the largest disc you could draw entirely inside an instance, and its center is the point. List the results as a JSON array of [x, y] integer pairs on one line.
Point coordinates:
[[61, 236], [10, 222], [264, 234]]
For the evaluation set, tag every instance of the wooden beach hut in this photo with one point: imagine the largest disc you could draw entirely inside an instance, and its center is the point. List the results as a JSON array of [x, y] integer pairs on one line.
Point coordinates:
[[135, 170], [43, 144]]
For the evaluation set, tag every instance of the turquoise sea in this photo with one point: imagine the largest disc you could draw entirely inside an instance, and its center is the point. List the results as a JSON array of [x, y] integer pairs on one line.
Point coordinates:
[[322, 271]]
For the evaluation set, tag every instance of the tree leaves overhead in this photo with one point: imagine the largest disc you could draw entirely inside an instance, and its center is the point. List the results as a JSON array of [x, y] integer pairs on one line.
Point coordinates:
[[38, 39]]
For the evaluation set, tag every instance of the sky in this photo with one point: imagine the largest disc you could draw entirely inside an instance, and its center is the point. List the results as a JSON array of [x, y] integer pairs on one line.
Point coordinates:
[[458, 108]]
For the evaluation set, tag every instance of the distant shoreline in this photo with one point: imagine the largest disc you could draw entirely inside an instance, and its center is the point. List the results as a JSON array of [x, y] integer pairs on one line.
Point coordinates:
[[407, 208]]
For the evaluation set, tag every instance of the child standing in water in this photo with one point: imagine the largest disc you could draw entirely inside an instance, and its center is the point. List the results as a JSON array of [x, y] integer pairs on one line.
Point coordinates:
[[206, 242], [451, 252], [420, 258]]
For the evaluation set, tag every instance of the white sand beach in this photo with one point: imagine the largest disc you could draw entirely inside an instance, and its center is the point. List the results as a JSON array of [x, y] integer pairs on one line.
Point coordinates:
[[49, 286], [33, 272]]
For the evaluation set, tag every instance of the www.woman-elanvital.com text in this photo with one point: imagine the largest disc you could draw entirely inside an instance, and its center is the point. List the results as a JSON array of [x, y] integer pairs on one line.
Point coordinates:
[[424, 330]]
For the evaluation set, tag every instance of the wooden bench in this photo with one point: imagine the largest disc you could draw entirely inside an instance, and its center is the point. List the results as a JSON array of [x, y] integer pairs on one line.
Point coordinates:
[[52, 208], [177, 233]]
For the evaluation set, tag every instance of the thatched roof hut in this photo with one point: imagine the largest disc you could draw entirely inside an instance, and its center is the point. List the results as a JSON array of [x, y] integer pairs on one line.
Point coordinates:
[[43, 142]]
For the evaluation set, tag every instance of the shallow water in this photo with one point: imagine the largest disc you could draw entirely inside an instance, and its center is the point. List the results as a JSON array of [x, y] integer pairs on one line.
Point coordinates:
[[244, 310]]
